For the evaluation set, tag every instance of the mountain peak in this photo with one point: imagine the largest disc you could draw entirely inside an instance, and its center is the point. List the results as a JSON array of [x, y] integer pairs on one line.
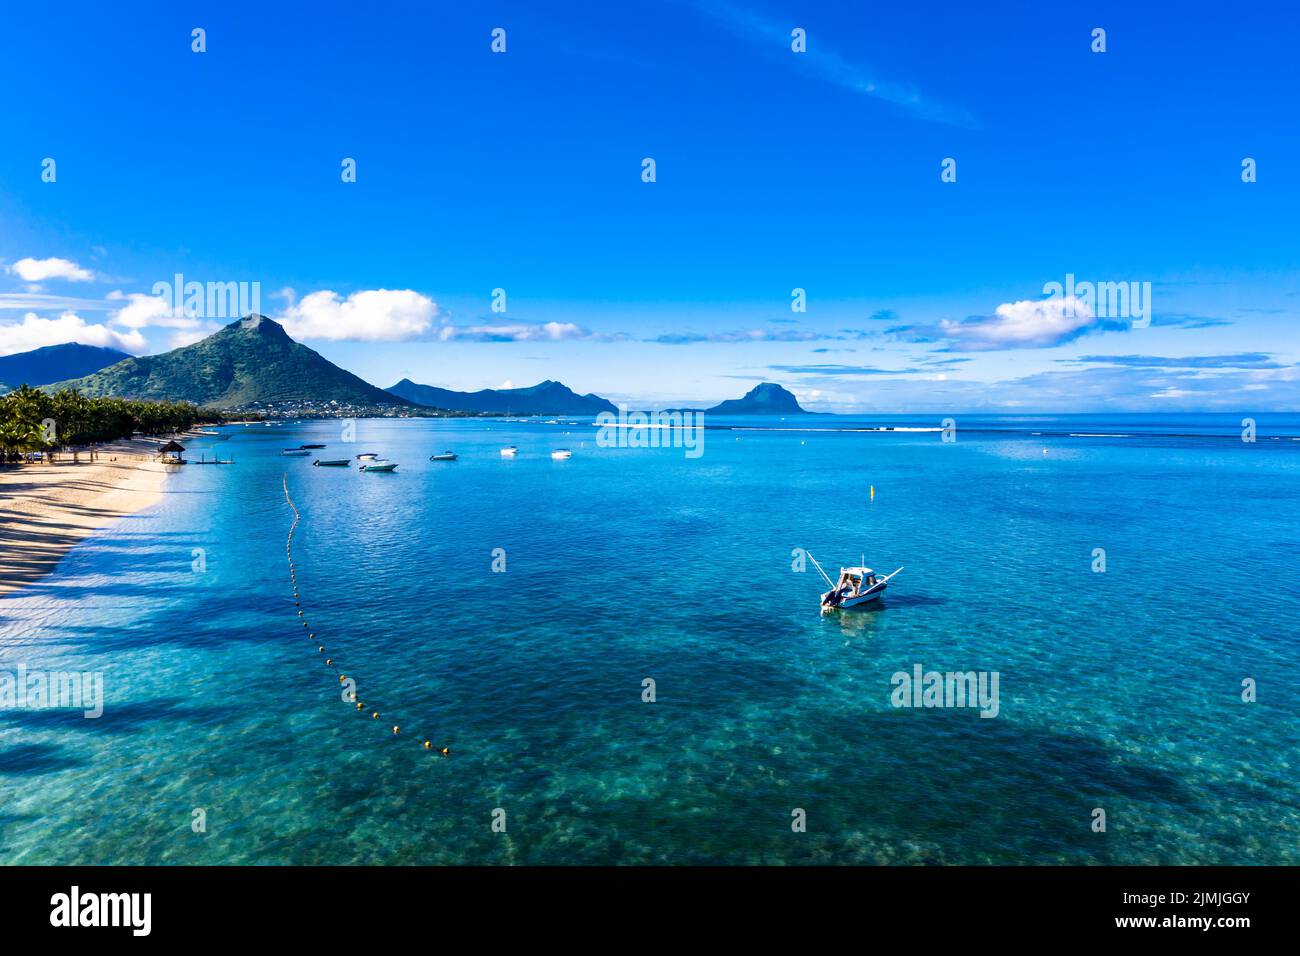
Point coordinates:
[[766, 398], [260, 324], [55, 363]]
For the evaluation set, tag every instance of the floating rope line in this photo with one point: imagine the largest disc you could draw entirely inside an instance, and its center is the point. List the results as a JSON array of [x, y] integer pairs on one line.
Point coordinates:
[[330, 661]]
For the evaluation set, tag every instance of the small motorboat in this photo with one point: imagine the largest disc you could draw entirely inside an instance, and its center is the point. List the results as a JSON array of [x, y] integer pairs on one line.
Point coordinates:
[[855, 586], [560, 454], [368, 456], [509, 452], [332, 463], [311, 446], [445, 456], [379, 464], [296, 452]]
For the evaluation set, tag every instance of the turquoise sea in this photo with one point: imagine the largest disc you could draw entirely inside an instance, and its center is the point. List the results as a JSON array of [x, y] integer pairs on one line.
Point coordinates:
[[1119, 690]]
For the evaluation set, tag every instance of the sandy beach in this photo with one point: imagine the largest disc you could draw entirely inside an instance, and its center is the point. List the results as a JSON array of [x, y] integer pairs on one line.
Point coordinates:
[[45, 509]]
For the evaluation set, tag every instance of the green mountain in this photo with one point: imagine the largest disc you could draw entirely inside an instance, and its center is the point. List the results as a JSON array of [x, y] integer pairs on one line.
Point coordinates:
[[545, 398], [765, 399], [53, 363], [250, 361]]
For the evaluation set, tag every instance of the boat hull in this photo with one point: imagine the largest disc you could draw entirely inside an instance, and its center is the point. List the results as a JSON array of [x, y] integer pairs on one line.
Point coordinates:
[[869, 596]]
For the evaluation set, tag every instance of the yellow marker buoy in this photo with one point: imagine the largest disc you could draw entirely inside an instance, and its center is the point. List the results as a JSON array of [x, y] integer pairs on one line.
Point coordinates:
[[360, 706], [445, 751], [375, 715], [873, 492], [396, 729], [329, 662], [343, 678], [428, 745]]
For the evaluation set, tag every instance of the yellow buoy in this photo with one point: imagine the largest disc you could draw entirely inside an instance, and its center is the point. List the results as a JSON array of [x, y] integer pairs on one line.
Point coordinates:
[[360, 706], [428, 745], [343, 678], [375, 715], [396, 729], [329, 661], [445, 751]]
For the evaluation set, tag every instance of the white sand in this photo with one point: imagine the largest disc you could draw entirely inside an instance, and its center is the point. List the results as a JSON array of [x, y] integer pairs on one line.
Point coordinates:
[[45, 509]]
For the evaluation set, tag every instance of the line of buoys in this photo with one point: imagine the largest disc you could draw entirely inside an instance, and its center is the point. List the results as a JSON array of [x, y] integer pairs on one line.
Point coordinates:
[[320, 648]]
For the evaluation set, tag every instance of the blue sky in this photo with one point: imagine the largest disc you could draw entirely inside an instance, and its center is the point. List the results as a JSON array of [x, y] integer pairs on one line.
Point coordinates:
[[775, 170]]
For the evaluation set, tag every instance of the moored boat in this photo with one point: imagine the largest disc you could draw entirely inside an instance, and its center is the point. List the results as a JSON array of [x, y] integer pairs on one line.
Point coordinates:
[[333, 462], [311, 446], [445, 456], [296, 452], [560, 454], [367, 456], [855, 586], [379, 464], [509, 451]]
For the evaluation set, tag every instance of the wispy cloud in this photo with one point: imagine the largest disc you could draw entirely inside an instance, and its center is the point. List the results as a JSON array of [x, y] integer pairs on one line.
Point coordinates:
[[1239, 360], [749, 335], [522, 332], [830, 65]]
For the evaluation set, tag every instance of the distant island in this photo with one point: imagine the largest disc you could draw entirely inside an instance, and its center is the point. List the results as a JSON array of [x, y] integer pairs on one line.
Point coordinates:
[[765, 399]]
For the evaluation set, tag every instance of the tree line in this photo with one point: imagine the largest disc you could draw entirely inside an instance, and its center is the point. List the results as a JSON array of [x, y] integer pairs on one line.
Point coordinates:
[[32, 420]]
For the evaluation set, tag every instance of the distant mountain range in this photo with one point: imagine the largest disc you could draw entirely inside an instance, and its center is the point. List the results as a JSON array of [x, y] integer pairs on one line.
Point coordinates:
[[54, 363], [250, 361], [545, 398], [253, 364]]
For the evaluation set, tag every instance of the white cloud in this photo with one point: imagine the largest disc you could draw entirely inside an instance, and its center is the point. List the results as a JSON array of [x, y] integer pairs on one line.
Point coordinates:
[[39, 270], [35, 332], [376, 315], [143, 311], [1028, 324]]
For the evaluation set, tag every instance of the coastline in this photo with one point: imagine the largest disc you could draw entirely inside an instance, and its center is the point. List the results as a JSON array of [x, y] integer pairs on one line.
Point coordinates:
[[46, 509]]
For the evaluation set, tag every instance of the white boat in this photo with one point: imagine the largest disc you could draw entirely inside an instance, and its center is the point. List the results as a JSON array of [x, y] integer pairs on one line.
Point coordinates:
[[855, 586], [379, 464], [367, 456], [445, 456], [509, 452], [561, 453], [296, 452]]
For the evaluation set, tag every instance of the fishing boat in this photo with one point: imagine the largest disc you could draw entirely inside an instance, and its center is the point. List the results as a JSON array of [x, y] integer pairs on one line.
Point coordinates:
[[855, 586], [379, 464], [296, 452], [509, 452], [445, 456], [367, 456], [332, 463], [560, 454]]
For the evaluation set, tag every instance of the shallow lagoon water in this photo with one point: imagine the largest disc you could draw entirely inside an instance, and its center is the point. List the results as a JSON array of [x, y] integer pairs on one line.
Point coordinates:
[[1119, 690]]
